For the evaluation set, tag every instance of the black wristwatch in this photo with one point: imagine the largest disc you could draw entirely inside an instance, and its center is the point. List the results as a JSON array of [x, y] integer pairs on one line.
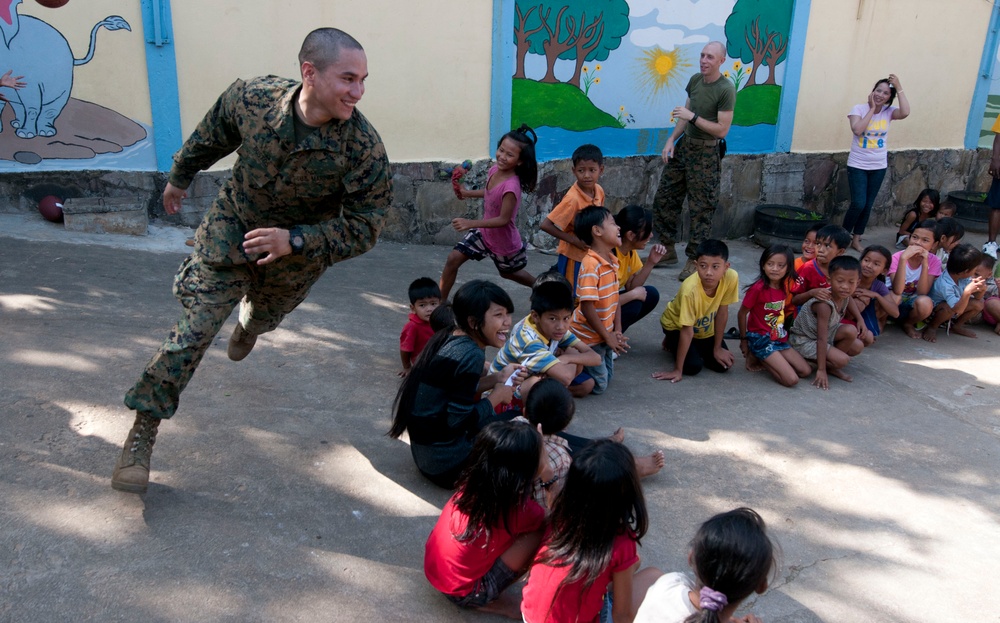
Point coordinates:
[[694, 118], [297, 240]]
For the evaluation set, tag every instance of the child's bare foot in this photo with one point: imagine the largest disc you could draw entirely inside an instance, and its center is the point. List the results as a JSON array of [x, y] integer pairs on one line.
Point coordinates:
[[754, 364], [911, 330], [618, 435], [840, 374], [930, 334], [996, 328], [960, 329], [649, 465]]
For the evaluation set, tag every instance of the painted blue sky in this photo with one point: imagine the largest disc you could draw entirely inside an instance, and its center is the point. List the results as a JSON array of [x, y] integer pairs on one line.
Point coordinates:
[[684, 25]]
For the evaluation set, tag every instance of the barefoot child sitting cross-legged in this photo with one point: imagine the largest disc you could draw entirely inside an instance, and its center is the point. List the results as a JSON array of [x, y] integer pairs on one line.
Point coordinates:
[[815, 328]]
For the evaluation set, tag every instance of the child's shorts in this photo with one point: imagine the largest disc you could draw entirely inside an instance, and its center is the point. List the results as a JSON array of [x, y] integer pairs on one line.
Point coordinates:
[[762, 346], [602, 372], [473, 247], [989, 318], [488, 587]]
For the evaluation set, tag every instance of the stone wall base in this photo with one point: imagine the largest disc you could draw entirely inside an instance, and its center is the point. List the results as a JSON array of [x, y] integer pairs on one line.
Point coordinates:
[[424, 203]]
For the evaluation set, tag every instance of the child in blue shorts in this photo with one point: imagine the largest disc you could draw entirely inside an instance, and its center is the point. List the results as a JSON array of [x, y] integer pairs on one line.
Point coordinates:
[[763, 338]]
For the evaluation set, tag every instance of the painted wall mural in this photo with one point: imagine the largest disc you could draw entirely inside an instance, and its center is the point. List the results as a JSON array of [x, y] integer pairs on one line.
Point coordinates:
[[992, 104], [609, 71], [41, 123]]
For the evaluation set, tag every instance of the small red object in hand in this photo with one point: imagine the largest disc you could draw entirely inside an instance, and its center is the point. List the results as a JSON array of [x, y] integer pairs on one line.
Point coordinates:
[[456, 177]]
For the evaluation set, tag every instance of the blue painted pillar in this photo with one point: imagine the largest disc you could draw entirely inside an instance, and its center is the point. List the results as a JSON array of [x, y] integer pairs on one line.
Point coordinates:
[[503, 70], [785, 129], [982, 90], [161, 69]]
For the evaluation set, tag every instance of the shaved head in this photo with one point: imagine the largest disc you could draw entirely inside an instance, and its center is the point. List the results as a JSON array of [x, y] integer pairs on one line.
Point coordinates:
[[322, 47], [720, 48]]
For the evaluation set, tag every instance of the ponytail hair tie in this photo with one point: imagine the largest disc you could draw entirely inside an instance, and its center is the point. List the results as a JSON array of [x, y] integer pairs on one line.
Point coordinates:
[[528, 133], [712, 600]]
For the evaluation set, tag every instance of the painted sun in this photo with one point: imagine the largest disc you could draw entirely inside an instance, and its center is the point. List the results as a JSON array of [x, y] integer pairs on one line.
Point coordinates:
[[659, 71]]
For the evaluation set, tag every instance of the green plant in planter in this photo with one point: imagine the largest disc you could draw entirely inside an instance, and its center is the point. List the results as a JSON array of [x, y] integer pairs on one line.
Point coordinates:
[[800, 216]]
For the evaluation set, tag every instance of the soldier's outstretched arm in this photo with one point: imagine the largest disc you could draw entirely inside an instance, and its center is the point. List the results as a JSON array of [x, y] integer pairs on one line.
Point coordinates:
[[216, 136]]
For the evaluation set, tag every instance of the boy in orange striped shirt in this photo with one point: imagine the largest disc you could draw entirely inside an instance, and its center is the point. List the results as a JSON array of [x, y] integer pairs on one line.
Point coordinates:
[[595, 320]]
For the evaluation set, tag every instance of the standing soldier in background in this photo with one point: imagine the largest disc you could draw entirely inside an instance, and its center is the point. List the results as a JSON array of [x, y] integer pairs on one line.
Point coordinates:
[[310, 187], [693, 164]]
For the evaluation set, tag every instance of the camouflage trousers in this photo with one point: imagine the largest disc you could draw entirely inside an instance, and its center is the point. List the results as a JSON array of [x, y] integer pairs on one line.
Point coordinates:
[[209, 293], [693, 171]]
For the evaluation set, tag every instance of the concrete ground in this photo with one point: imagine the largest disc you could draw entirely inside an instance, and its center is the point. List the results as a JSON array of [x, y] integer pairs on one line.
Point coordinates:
[[276, 495]]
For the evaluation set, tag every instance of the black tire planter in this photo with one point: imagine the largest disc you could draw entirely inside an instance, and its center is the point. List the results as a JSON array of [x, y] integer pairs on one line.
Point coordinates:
[[971, 209], [775, 223]]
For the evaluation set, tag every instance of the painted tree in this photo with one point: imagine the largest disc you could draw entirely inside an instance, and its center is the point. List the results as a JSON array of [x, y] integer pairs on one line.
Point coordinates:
[[582, 30], [528, 21], [757, 34]]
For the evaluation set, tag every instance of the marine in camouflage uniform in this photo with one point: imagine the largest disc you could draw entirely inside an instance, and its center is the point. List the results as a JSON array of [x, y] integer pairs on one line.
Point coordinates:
[[692, 163], [329, 186]]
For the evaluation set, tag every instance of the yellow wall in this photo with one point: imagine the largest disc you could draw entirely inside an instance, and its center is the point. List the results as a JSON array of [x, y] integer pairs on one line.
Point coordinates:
[[934, 47], [428, 92], [116, 77]]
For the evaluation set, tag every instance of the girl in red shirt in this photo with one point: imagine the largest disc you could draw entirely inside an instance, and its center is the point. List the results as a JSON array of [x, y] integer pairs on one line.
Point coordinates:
[[596, 523], [491, 528]]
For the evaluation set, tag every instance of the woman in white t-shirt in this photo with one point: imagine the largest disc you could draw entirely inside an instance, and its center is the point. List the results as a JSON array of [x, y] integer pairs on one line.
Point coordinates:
[[867, 162]]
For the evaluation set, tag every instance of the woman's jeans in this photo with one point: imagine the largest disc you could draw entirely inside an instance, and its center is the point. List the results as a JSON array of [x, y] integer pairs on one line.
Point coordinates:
[[864, 188]]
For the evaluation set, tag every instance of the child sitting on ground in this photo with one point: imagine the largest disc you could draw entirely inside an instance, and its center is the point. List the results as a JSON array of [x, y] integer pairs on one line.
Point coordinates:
[[491, 528], [925, 207], [912, 272], [694, 322], [495, 235], [635, 299], [544, 345], [588, 165], [588, 568], [596, 320], [808, 247], [950, 233], [763, 338], [991, 297], [549, 404], [873, 296], [956, 294], [425, 296], [814, 332], [732, 558], [947, 209]]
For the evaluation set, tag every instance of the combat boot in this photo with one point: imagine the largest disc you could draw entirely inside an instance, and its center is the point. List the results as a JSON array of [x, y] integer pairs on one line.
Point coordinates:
[[132, 469], [240, 343], [689, 269]]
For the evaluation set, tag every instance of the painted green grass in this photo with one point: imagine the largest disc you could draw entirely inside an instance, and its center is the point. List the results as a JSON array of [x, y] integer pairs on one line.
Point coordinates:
[[757, 104], [557, 106]]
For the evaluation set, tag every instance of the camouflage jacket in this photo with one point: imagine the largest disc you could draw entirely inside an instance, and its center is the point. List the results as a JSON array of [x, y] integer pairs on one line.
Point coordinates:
[[335, 185]]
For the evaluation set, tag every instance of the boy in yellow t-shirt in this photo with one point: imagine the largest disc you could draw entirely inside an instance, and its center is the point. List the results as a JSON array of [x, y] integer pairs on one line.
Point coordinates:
[[695, 320], [588, 166]]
